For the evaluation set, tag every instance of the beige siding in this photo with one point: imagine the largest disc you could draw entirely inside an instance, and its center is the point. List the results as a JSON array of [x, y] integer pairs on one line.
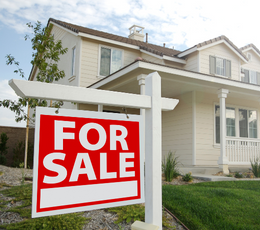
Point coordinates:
[[151, 58], [254, 63], [192, 62], [207, 153], [58, 33], [90, 60], [222, 51], [177, 130]]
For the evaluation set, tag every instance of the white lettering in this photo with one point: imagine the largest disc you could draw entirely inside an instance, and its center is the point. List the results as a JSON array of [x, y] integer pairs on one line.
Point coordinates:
[[114, 138], [103, 168], [124, 165], [87, 170], [83, 136], [48, 164], [59, 135]]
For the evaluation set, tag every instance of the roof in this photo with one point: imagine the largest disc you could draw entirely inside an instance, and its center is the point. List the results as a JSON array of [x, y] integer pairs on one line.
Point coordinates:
[[217, 39], [250, 46], [159, 50]]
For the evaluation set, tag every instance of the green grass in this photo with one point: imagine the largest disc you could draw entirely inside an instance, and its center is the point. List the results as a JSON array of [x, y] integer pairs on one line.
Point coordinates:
[[215, 205], [24, 193]]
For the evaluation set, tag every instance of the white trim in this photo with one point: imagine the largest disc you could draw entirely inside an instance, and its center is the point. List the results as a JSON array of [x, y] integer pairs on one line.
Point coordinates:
[[115, 76], [227, 44], [174, 59], [251, 48], [193, 127], [151, 54], [108, 41], [198, 59], [189, 51], [237, 130], [164, 57], [73, 60], [80, 59], [236, 85], [99, 58], [64, 28]]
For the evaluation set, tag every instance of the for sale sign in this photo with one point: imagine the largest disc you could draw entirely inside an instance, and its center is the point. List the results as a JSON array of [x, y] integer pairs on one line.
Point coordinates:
[[86, 160]]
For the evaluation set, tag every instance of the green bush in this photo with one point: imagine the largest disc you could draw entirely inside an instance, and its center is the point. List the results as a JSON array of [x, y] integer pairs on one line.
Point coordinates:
[[169, 167], [129, 213], [187, 177], [18, 154], [3, 148], [256, 167], [238, 175]]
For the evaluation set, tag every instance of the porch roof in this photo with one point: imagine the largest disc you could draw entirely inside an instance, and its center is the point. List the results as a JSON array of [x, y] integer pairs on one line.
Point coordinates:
[[175, 81]]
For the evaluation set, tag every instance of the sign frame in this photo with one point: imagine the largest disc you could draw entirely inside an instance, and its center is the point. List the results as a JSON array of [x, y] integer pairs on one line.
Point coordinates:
[[84, 114]]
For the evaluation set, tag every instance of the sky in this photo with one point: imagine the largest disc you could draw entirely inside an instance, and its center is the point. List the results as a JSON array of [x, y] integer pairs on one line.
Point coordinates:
[[178, 23]]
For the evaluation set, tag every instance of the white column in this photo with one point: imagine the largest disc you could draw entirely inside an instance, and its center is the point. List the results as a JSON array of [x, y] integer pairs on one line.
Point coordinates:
[[153, 152], [141, 81], [223, 161], [100, 108], [193, 128]]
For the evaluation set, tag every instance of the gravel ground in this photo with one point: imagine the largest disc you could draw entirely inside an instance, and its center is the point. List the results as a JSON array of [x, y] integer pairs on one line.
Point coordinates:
[[100, 219]]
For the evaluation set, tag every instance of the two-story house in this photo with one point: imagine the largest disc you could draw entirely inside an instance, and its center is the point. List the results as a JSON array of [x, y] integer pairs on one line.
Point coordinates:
[[215, 123]]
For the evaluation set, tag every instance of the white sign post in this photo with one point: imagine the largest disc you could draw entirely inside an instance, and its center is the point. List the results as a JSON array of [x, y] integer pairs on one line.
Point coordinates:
[[152, 102]]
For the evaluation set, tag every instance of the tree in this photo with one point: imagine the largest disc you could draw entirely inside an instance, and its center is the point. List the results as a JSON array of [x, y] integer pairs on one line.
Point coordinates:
[[45, 57], [3, 148]]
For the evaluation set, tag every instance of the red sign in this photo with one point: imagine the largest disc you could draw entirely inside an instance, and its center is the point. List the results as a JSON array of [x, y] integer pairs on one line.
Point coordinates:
[[86, 160]]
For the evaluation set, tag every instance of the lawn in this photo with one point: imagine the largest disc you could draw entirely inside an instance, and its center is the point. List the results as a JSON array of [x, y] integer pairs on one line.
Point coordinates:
[[215, 205]]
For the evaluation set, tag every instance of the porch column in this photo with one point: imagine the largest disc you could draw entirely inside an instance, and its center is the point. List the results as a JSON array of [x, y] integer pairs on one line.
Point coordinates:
[[100, 108], [141, 81], [223, 161]]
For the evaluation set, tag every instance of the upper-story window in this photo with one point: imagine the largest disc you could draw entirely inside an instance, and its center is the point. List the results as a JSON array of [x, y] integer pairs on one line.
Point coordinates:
[[111, 60], [250, 76], [219, 66]]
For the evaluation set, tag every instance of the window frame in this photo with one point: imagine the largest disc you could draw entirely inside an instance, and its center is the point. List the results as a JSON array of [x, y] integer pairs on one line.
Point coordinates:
[[227, 68], [73, 61], [237, 126], [99, 59]]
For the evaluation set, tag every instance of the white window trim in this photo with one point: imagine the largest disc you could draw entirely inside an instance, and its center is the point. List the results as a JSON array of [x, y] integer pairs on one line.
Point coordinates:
[[222, 57], [73, 64], [217, 145], [99, 58]]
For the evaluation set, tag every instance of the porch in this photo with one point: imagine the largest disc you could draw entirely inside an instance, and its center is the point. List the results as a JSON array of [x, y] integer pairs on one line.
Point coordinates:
[[241, 151]]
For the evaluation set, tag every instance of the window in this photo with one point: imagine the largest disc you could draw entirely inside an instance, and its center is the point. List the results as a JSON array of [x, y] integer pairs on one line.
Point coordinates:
[[251, 76], [230, 122], [219, 66], [110, 60], [247, 124], [73, 61]]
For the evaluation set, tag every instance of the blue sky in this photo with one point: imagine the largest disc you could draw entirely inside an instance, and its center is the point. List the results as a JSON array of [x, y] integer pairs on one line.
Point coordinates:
[[177, 23]]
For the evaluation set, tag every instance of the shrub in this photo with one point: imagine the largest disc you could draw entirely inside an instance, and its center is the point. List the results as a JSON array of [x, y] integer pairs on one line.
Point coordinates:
[[256, 167], [3, 148], [187, 177], [18, 152], [169, 167], [129, 213], [238, 175]]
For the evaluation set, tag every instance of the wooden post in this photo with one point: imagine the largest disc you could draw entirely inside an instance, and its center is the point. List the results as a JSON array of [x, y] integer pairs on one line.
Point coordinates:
[[153, 152], [26, 137]]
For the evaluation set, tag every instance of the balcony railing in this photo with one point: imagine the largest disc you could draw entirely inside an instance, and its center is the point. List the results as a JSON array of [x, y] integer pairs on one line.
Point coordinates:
[[242, 151]]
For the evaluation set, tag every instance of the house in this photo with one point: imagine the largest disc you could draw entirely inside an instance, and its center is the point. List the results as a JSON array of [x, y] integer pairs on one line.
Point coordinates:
[[216, 123]]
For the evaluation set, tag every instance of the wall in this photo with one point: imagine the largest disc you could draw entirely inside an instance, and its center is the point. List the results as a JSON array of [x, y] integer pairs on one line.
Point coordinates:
[[254, 63], [15, 134], [192, 62], [177, 130], [221, 51]]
